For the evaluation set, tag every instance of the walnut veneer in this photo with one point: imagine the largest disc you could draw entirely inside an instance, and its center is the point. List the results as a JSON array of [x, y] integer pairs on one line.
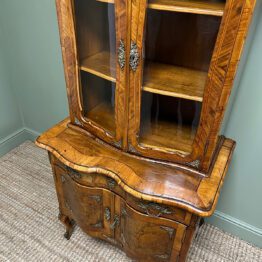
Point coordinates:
[[149, 209], [140, 161]]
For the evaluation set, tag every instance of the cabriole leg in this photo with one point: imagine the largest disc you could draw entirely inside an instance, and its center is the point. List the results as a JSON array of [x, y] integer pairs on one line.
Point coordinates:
[[69, 224]]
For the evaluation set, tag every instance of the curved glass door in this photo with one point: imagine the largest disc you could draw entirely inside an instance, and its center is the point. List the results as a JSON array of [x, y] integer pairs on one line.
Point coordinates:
[[177, 52], [179, 42], [96, 44]]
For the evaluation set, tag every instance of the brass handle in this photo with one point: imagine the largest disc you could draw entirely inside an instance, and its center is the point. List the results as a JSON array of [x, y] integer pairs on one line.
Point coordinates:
[[115, 223], [96, 198], [157, 209], [134, 56], [121, 54]]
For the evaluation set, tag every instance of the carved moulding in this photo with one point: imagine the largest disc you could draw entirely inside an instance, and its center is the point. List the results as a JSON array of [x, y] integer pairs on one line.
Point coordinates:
[[134, 56], [121, 54]]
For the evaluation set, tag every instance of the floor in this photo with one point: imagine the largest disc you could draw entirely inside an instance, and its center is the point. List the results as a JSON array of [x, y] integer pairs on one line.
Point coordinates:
[[30, 230]]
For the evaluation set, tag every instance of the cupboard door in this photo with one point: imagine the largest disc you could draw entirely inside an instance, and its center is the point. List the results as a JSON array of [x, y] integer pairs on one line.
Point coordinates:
[[91, 208], [177, 89], [93, 37], [150, 238]]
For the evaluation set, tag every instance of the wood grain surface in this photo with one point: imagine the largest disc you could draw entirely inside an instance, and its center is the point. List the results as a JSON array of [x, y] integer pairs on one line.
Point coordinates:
[[174, 81], [173, 185], [125, 170]]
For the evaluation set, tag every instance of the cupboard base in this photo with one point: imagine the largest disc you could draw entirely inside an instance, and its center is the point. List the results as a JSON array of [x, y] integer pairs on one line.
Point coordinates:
[[151, 210], [111, 215]]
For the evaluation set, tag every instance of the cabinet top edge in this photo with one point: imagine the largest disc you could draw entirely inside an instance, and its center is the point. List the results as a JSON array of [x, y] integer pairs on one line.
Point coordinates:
[[142, 179]]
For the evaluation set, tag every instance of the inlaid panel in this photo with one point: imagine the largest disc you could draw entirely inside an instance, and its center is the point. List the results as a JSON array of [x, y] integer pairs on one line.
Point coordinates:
[[150, 239]]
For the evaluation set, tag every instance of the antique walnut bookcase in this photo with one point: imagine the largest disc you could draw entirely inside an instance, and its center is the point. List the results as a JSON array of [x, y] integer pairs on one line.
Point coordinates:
[[140, 159]]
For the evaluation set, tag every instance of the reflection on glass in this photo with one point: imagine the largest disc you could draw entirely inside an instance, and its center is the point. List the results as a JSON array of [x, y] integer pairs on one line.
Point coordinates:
[[177, 52], [168, 122], [96, 43], [99, 101]]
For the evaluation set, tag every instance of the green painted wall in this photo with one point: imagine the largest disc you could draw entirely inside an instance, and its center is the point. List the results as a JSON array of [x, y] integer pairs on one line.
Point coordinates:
[[35, 63], [10, 117], [241, 196], [36, 78]]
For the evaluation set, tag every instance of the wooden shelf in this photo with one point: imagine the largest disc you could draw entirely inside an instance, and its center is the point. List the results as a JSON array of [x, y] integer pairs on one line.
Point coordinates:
[[106, 1], [202, 7], [184, 6], [167, 135], [100, 65], [103, 114], [158, 78], [174, 81]]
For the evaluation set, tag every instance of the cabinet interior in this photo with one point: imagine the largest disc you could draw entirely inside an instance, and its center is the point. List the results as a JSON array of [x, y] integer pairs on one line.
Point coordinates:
[[176, 64], [96, 45], [168, 122], [95, 32], [98, 97]]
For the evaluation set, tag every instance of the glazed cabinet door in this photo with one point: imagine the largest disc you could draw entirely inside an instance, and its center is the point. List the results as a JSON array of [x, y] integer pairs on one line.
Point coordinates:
[[89, 207], [182, 63], [93, 39], [149, 238]]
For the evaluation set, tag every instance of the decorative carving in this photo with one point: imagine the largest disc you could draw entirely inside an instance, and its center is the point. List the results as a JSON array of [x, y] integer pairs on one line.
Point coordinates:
[[98, 225], [164, 256], [118, 144], [121, 54], [132, 149], [111, 183], [134, 56], [73, 173], [194, 164], [77, 122], [123, 212], [115, 223], [107, 214], [169, 230], [96, 198], [149, 207], [63, 179], [68, 206]]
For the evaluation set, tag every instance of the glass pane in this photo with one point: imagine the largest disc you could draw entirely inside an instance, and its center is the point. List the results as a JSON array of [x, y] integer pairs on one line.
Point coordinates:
[[96, 41], [178, 48], [99, 100], [168, 122]]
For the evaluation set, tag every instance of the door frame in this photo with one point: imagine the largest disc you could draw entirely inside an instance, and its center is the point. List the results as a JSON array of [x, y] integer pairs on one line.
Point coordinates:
[[66, 21]]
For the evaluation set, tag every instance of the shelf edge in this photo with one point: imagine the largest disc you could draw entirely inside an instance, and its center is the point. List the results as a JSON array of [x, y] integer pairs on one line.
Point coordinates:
[[99, 74], [172, 94]]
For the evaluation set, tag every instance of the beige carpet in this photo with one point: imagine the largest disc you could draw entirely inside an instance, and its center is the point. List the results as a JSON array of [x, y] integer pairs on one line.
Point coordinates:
[[30, 230]]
